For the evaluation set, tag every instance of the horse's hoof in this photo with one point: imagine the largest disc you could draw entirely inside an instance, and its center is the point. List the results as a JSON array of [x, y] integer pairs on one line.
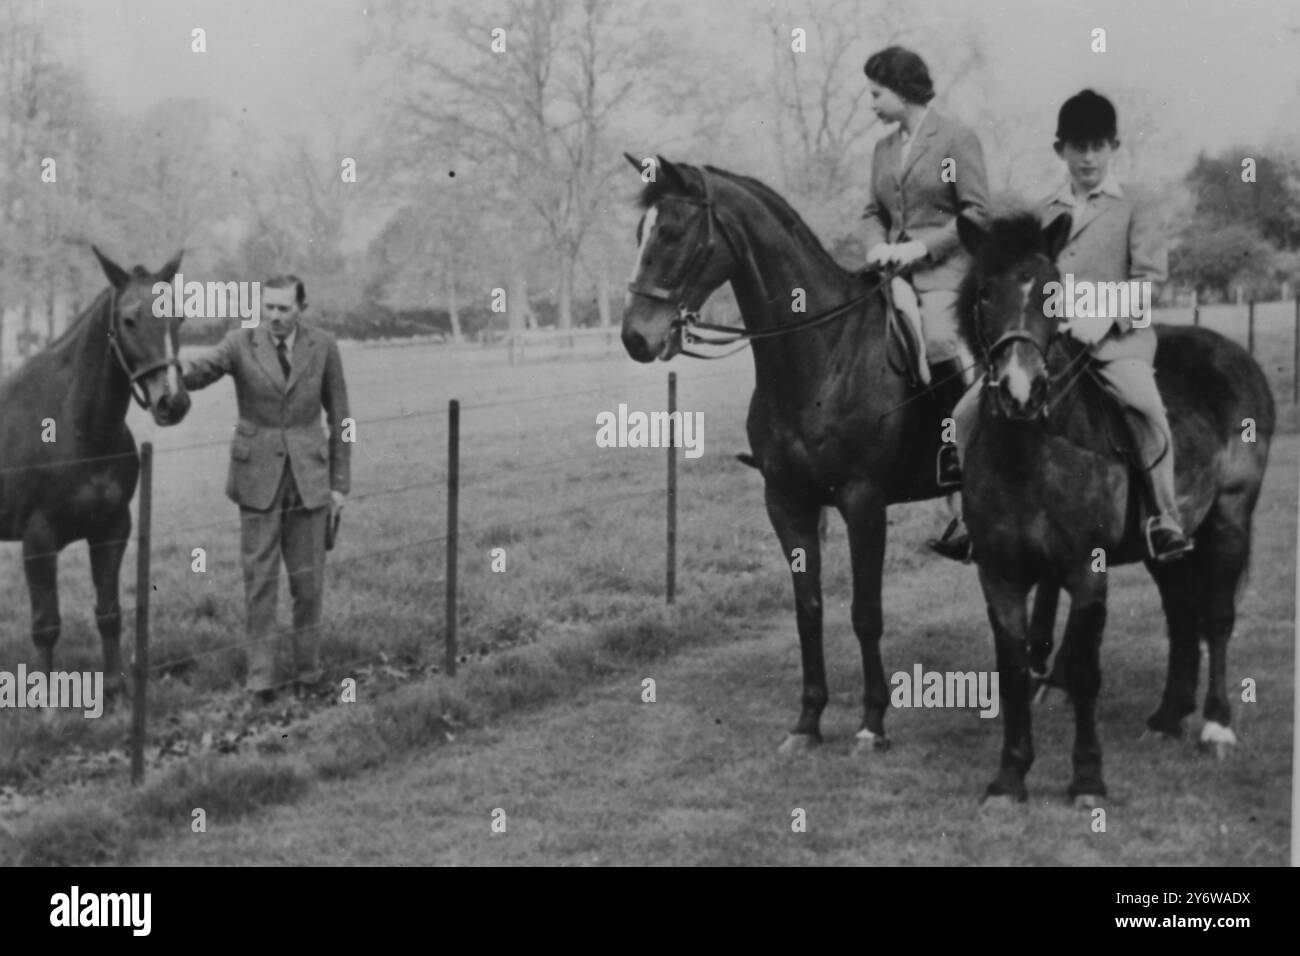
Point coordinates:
[[798, 744], [1218, 739], [866, 743], [1089, 794], [1001, 796]]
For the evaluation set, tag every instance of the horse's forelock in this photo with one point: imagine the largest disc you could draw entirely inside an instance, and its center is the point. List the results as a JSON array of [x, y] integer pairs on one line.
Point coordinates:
[[662, 186], [1010, 239]]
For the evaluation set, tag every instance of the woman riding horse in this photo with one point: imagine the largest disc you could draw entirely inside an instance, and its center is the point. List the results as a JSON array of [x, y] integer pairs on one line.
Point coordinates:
[[923, 175]]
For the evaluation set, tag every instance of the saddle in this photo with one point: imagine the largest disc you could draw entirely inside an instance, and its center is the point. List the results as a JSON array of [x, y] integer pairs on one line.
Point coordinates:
[[1117, 421], [906, 345]]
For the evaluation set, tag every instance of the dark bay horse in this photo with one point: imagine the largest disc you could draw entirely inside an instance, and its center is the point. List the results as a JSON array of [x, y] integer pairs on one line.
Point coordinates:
[[828, 424], [1045, 487], [68, 463]]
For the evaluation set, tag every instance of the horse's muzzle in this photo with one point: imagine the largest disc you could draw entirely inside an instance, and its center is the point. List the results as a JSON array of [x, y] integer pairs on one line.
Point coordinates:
[[170, 408]]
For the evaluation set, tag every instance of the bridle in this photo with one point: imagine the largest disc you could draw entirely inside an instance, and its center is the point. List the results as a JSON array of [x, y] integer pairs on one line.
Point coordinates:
[[141, 397], [1074, 367], [688, 323]]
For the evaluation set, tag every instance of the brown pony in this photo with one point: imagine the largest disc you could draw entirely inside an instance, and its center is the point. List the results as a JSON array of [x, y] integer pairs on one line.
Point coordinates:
[[1046, 488]]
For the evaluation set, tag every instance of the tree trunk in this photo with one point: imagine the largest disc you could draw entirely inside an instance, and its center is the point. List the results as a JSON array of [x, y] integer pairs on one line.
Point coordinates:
[[564, 295], [453, 307], [602, 296], [519, 313], [50, 312]]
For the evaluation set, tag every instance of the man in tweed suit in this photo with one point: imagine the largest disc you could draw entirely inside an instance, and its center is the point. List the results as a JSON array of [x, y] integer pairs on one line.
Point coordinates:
[[287, 474], [1115, 235]]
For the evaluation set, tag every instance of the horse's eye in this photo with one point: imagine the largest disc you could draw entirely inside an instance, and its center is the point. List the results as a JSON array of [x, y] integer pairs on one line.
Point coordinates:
[[129, 321], [1026, 276]]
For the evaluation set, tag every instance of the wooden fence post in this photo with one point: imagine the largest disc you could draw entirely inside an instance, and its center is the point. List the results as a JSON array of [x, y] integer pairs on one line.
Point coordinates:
[[672, 489], [453, 508], [143, 587]]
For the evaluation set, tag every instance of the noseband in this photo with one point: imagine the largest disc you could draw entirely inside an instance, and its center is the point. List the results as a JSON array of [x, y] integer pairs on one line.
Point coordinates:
[[693, 266], [1074, 367], [141, 397]]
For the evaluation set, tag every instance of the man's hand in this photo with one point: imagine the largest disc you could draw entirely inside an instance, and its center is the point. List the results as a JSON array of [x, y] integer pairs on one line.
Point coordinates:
[[338, 499], [1090, 330]]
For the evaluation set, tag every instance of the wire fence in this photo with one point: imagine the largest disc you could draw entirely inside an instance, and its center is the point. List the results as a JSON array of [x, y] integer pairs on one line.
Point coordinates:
[[1259, 332], [147, 542]]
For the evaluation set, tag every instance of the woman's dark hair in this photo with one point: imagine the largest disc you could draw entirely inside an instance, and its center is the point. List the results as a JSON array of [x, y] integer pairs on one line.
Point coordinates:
[[903, 72]]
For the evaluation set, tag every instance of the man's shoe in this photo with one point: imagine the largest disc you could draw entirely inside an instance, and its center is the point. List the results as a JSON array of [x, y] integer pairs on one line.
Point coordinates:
[[953, 544], [1166, 541], [948, 466]]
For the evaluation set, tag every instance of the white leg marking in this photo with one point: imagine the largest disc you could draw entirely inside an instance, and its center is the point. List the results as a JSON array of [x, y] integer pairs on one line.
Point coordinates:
[[1215, 733]]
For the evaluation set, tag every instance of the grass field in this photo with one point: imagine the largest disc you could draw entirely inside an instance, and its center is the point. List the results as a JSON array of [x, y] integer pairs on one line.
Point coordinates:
[[546, 720]]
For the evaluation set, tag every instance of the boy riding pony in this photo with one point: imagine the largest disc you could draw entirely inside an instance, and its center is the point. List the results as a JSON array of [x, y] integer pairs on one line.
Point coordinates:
[[1114, 236]]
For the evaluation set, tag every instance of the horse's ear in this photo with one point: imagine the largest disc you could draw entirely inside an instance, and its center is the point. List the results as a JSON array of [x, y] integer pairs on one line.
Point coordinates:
[[117, 276], [168, 272], [636, 163], [673, 174], [1056, 235], [972, 235]]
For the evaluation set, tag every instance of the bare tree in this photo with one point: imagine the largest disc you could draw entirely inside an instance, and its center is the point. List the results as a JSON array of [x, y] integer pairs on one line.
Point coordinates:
[[537, 111]]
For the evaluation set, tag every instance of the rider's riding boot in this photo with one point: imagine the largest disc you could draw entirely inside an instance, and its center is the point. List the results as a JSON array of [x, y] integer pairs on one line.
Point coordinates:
[[955, 543], [1164, 534], [1165, 538], [948, 466]]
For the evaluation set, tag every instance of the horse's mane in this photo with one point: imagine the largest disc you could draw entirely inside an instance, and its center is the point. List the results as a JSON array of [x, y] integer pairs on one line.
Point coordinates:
[[784, 213], [1012, 236], [137, 272], [75, 325]]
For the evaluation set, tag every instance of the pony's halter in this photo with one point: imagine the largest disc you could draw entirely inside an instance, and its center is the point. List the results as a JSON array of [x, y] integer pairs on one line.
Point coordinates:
[[141, 397], [1076, 365]]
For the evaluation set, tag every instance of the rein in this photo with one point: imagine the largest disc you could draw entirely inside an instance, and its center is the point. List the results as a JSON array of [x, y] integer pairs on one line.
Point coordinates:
[[140, 396], [688, 323]]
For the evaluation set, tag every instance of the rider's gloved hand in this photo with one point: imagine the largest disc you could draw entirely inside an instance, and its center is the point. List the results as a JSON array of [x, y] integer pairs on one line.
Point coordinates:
[[905, 253], [1091, 329], [879, 254]]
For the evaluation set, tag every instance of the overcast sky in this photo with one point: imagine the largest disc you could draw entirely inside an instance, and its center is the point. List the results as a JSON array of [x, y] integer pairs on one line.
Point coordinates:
[[1224, 69]]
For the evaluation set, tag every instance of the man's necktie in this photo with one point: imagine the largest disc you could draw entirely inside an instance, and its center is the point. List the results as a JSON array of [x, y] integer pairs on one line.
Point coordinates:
[[283, 354]]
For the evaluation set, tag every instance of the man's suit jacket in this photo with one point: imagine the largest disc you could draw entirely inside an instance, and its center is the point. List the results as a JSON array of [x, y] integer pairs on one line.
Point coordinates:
[[280, 421], [1116, 238], [914, 202]]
